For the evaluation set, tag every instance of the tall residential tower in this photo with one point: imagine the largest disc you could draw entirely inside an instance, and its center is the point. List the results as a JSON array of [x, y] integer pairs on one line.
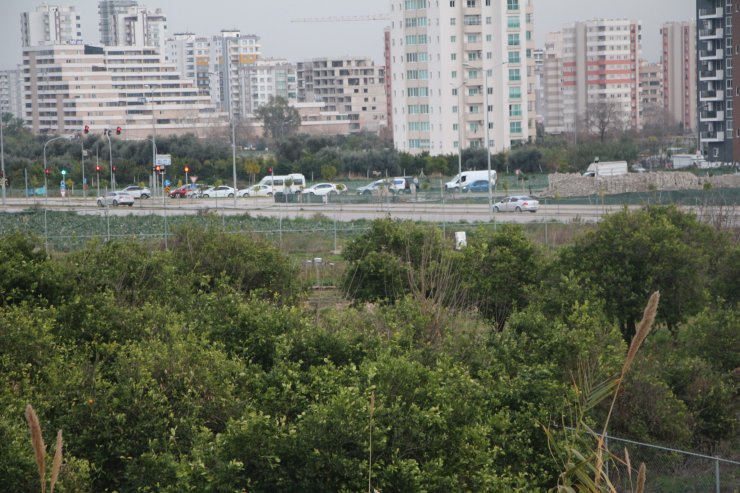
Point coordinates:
[[457, 64], [679, 71]]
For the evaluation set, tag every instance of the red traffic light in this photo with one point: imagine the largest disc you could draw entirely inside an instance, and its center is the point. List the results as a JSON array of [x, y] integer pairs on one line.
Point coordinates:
[[157, 168], [47, 171], [86, 129], [114, 168], [187, 169], [97, 169], [269, 170], [118, 130]]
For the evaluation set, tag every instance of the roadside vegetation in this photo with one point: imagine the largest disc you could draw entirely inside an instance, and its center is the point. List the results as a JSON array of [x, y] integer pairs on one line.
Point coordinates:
[[204, 367]]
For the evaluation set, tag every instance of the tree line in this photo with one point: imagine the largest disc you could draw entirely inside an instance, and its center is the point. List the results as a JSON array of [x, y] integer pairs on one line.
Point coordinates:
[[321, 157], [202, 368]]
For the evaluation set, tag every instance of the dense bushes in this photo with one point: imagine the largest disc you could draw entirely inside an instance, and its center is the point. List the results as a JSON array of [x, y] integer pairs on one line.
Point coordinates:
[[198, 369]]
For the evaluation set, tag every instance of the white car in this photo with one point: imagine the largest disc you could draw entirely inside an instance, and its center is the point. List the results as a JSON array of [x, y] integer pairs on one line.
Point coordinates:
[[115, 199], [517, 203], [217, 192], [370, 188], [322, 189], [255, 191], [138, 192]]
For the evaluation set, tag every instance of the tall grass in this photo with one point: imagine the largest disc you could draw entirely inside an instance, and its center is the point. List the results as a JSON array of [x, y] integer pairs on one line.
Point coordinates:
[[39, 451]]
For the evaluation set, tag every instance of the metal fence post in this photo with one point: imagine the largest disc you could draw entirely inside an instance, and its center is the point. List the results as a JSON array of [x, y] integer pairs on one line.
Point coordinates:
[[716, 476]]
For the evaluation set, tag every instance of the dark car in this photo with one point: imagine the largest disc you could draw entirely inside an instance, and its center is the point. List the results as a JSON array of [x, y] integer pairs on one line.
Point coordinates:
[[476, 186]]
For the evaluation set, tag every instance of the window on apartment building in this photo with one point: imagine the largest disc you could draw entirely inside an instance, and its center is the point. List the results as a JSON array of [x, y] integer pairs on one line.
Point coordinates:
[[454, 108], [514, 57], [453, 39], [514, 74], [472, 3], [512, 4], [513, 39], [453, 21], [515, 127], [453, 56], [452, 3], [513, 22], [453, 74]]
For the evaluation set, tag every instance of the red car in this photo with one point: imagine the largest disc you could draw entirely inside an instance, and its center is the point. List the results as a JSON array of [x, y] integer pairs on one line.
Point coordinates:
[[181, 192]]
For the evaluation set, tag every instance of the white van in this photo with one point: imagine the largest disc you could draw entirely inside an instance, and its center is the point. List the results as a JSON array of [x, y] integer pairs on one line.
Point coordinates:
[[278, 183], [466, 177]]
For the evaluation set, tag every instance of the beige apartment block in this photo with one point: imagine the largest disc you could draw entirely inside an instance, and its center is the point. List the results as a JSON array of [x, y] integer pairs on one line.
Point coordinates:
[[66, 87], [353, 86]]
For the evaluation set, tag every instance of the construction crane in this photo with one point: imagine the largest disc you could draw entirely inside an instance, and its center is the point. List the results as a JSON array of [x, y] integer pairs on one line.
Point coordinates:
[[348, 18]]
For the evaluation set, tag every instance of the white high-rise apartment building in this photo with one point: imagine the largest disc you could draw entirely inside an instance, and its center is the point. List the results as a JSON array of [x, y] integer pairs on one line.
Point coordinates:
[[233, 53], [107, 12], [354, 86], [69, 86], [50, 25], [266, 79], [191, 54], [679, 70], [445, 56], [139, 26], [600, 69]]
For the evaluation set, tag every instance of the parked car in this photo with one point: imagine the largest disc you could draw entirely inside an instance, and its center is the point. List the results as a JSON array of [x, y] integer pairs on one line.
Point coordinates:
[[255, 191], [217, 192], [323, 189], [372, 187], [517, 203], [401, 184], [138, 192], [195, 192], [115, 199], [476, 186], [181, 192]]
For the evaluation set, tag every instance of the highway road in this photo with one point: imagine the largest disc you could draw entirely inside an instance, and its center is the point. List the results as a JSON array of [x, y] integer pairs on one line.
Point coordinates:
[[265, 206]]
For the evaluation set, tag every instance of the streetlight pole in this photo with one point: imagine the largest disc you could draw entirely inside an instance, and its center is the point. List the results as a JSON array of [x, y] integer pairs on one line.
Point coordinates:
[[46, 184], [110, 161], [459, 128], [82, 163], [233, 155], [2, 155]]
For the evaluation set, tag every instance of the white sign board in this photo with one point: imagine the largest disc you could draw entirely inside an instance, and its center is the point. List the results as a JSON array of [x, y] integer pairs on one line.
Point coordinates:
[[163, 160]]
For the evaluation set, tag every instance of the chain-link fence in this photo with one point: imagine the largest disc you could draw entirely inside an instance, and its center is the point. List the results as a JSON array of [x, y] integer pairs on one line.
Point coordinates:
[[670, 470], [317, 235]]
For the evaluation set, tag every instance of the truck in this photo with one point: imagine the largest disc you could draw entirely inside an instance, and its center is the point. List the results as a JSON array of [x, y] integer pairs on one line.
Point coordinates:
[[606, 168], [293, 183], [462, 179]]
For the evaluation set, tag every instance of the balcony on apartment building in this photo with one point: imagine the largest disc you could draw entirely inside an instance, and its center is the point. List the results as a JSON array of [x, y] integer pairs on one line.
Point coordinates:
[[717, 95], [711, 75], [714, 13], [712, 116], [706, 34], [716, 54], [717, 136]]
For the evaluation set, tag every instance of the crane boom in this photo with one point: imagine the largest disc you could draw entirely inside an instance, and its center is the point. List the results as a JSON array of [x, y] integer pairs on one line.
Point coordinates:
[[346, 18]]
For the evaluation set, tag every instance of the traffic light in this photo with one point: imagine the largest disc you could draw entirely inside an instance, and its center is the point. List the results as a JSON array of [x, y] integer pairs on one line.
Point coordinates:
[[114, 168], [157, 168], [269, 170], [64, 172], [97, 168], [118, 130], [187, 169], [86, 129], [47, 171]]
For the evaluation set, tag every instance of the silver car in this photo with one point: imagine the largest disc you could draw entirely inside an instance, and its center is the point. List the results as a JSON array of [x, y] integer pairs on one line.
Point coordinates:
[[138, 192], [517, 203], [115, 199]]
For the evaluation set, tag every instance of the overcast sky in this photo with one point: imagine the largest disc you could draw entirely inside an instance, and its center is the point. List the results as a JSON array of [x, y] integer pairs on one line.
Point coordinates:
[[271, 20]]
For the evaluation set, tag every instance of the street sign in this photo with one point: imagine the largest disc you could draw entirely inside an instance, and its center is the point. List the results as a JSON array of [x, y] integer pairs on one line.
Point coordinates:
[[167, 183], [62, 185], [163, 160]]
